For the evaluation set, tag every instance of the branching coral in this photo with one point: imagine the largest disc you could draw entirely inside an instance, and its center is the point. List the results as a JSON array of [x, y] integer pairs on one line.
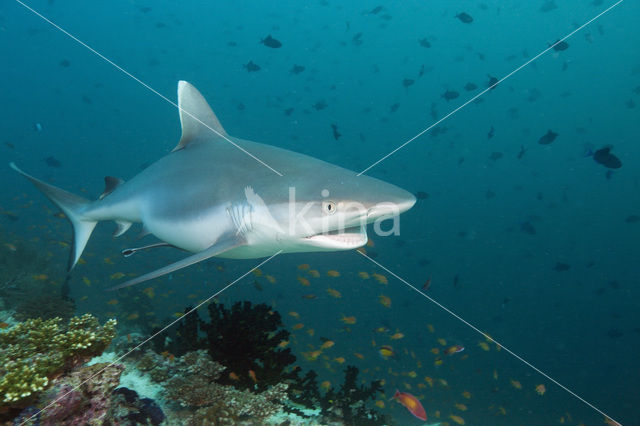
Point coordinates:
[[191, 381], [34, 351], [244, 338]]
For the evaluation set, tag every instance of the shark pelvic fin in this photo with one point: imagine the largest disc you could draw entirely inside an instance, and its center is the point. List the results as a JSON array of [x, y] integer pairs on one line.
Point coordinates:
[[72, 206], [219, 247], [196, 117]]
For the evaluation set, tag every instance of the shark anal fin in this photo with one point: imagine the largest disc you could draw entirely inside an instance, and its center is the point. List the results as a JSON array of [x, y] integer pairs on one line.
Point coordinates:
[[196, 116], [110, 183], [219, 247]]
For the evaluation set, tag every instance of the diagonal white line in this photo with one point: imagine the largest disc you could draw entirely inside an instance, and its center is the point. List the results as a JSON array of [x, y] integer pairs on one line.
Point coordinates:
[[153, 335], [142, 83], [486, 336], [490, 87]]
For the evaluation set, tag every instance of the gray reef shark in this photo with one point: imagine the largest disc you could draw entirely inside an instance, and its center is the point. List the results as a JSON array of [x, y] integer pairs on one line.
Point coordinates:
[[212, 196]]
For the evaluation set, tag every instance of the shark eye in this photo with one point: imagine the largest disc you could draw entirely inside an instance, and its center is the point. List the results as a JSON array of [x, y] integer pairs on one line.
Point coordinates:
[[329, 207]]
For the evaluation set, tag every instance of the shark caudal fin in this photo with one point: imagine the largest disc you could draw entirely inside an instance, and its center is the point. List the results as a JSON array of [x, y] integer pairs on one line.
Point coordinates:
[[73, 207]]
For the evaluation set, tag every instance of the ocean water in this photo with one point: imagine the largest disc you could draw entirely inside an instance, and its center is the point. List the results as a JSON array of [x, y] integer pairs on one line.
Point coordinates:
[[535, 244]]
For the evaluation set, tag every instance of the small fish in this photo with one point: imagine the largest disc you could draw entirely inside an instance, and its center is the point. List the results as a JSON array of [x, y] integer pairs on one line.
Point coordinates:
[[397, 336], [521, 152], [325, 385], [271, 42], [305, 282], [384, 300], [37, 127], [65, 63], [297, 326], [348, 320], [457, 419], [424, 42], [548, 138], [363, 275], [386, 352], [336, 134], [233, 376], [334, 293], [4, 325], [470, 86], [251, 66], [450, 95], [540, 389], [559, 46], [453, 349], [252, 375], [133, 316], [411, 403], [333, 273], [339, 360], [491, 133], [309, 296], [327, 344], [380, 278], [408, 82], [464, 17], [297, 69], [493, 82], [561, 267], [52, 162], [516, 384], [606, 158]]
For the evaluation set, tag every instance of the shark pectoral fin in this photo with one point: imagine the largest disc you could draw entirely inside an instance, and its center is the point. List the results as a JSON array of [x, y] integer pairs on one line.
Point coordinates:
[[196, 117], [219, 247]]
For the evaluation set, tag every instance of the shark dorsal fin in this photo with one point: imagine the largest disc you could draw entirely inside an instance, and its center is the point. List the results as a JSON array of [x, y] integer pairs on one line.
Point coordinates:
[[196, 117], [110, 184]]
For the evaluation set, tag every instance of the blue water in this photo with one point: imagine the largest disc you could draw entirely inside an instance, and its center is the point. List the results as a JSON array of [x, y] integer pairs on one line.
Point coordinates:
[[580, 326]]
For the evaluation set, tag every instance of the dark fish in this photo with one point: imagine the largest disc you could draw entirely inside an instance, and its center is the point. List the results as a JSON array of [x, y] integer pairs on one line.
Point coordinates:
[[495, 156], [424, 42], [288, 111], [548, 138], [632, 219], [52, 161], [450, 94], [528, 228], [421, 195], [491, 132], [489, 194], [465, 18], [257, 285], [522, 152], [320, 105], [12, 217], [408, 82], [470, 86], [357, 39], [422, 71], [606, 158], [336, 134], [145, 9], [559, 46], [271, 42], [376, 10], [251, 67], [493, 82], [297, 69], [560, 267], [548, 6], [10, 145], [394, 107], [65, 63], [456, 281]]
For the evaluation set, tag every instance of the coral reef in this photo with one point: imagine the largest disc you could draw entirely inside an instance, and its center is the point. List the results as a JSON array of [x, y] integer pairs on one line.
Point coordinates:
[[244, 338], [128, 408], [35, 351], [191, 382], [82, 397], [348, 404]]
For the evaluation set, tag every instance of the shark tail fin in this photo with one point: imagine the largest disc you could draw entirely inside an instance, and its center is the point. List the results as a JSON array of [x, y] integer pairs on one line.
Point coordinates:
[[72, 206]]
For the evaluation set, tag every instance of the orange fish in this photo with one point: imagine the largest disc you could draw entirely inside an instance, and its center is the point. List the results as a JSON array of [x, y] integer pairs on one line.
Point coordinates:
[[397, 336], [327, 344], [333, 273], [4, 325], [385, 301], [348, 320], [453, 349], [541, 389], [309, 296], [233, 376], [339, 360], [411, 403], [334, 293], [252, 374], [298, 326]]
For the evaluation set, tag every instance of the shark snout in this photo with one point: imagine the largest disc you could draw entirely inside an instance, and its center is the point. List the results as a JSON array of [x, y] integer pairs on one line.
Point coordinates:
[[393, 207]]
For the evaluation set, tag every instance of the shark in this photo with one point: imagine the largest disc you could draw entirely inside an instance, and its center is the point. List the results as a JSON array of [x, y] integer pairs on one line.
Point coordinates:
[[215, 195]]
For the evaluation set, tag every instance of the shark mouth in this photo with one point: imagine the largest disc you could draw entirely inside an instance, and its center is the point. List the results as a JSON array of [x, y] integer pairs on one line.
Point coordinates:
[[343, 239]]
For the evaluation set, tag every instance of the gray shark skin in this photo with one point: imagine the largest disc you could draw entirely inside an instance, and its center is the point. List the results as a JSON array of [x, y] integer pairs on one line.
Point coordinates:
[[210, 198]]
